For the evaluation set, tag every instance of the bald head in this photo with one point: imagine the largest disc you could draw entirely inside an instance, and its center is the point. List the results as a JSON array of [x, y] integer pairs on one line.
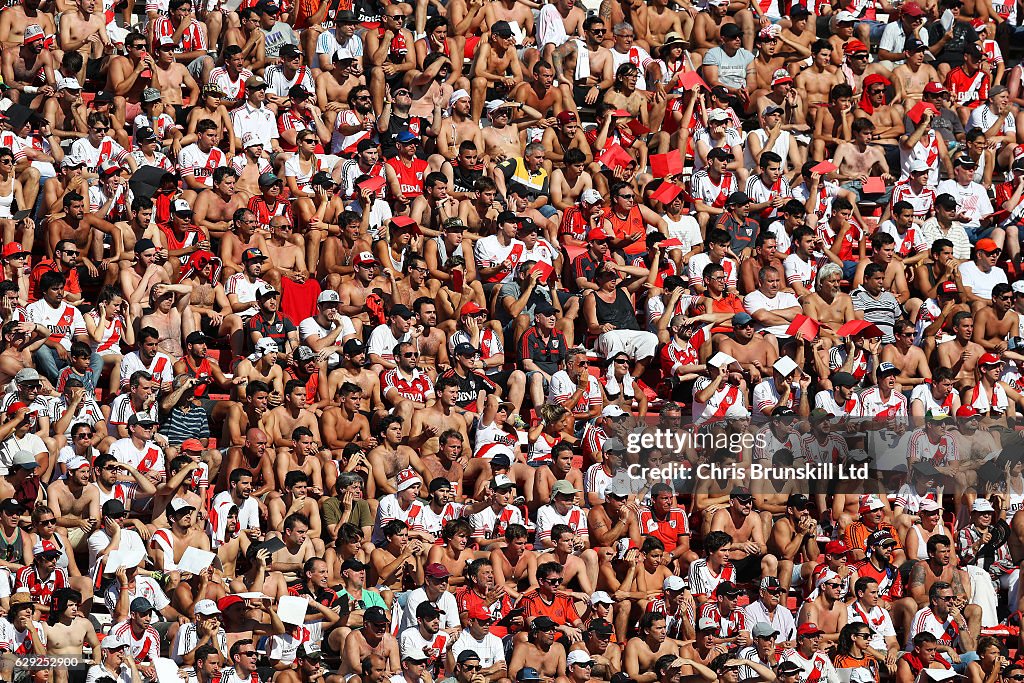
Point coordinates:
[[255, 436]]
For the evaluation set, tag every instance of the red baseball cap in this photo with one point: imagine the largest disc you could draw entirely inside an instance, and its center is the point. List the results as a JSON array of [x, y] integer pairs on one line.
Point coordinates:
[[966, 412], [912, 9], [934, 88], [12, 249], [809, 629], [470, 308], [597, 234], [987, 245], [478, 612], [853, 46], [191, 445], [990, 359], [836, 548]]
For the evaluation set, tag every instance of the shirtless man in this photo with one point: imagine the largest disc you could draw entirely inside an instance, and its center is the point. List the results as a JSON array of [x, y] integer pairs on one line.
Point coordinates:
[[707, 26], [85, 30], [940, 567], [570, 180], [747, 532], [28, 71], [431, 339], [496, 68], [600, 67], [168, 304], [75, 504], [961, 353], [827, 304], [398, 565], [833, 125], [994, 324], [443, 415], [70, 633], [236, 239], [766, 63], [515, 566], [814, 84], [286, 258], [374, 642], [251, 455], [340, 250], [282, 421], [455, 552], [539, 650], [16, 18], [541, 94], [643, 651], [501, 140], [353, 291], [910, 359], [826, 610], [128, 76], [857, 157], [344, 424], [353, 370], [286, 564], [753, 351], [793, 536], [214, 210], [391, 456], [173, 77], [887, 117], [459, 127], [299, 498], [169, 545], [911, 77]]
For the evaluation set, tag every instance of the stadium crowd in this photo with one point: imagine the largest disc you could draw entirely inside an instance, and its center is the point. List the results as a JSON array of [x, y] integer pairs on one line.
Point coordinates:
[[329, 332]]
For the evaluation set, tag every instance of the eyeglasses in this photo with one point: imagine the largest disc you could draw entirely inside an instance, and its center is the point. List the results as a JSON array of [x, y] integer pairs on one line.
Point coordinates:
[[861, 635], [585, 665], [599, 31], [47, 522], [100, 130], [7, 161], [247, 653], [140, 46], [120, 515], [553, 582], [307, 141], [410, 355], [472, 667], [84, 435], [397, 93], [620, 361], [628, 197], [877, 91]]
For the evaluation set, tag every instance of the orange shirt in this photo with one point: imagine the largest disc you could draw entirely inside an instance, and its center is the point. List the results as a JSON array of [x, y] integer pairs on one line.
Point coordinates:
[[562, 611]]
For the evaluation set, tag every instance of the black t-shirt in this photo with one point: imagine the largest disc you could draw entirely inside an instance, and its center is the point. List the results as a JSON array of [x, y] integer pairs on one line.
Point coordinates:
[[278, 330], [470, 387], [417, 125], [952, 52]]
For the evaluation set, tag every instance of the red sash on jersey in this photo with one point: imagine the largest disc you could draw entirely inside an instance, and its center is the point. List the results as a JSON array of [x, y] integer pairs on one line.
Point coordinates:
[[574, 520], [414, 512], [141, 657], [502, 523], [149, 460], [731, 394], [815, 674], [513, 257], [159, 367], [724, 190]]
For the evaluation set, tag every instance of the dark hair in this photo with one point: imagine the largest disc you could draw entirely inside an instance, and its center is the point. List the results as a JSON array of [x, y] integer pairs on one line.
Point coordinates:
[[548, 569], [205, 125], [238, 645], [716, 540]]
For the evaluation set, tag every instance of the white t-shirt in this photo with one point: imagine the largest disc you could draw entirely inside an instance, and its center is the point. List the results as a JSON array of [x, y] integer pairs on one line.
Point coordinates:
[[130, 541], [757, 301], [446, 604], [971, 200], [64, 322], [981, 284], [149, 458], [686, 230], [490, 648], [383, 341], [310, 327]]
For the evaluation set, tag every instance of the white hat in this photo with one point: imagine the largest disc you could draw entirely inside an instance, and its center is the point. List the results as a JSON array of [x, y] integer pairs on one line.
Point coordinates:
[[76, 462], [502, 481], [264, 288], [719, 114], [705, 623], [736, 412], [721, 360], [179, 504], [494, 105], [613, 410], [406, 479], [930, 505], [181, 206], [206, 608], [870, 503], [112, 641], [673, 583], [343, 53], [264, 346], [578, 657], [68, 84], [601, 597], [845, 16], [250, 139], [1018, 286], [591, 196], [328, 296], [982, 505], [785, 366], [919, 165], [456, 96], [826, 577]]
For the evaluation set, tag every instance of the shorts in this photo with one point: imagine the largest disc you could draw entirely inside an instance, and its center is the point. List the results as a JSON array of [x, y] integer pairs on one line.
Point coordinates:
[[547, 211], [747, 569], [75, 537], [544, 380], [131, 110], [208, 328], [636, 344]]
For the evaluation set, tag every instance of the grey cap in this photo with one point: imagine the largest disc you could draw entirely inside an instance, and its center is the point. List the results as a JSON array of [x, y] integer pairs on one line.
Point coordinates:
[[613, 445], [27, 375], [150, 95], [763, 629]]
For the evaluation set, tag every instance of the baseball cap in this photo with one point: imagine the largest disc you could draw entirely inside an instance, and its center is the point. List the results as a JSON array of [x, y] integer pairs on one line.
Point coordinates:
[[763, 629], [613, 411], [479, 613], [142, 605], [836, 547], [501, 481], [808, 629], [914, 45], [880, 537], [673, 583], [141, 420], [253, 254], [887, 369], [407, 479], [527, 673], [967, 412], [719, 114], [870, 503], [843, 379], [987, 245], [182, 208], [375, 615], [470, 308], [180, 504], [197, 337], [365, 258], [578, 657], [737, 199], [919, 166], [798, 501], [600, 626], [563, 488], [467, 656], [982, 505], [406, 136], [13, 249], [854, 46], [466, 349], [799, 11], [206, 608], [929, 505], [788, 668], [844, 17], [70, 83], [112, 641], [255, 82], [601, 597], [45, 548], [402, 311], [353, 564], [427, 610], [543, 623], [730, 31], [436, 570], [742, 319], [706, 624], [912, 9], [591, 196], [989, 359], [501, 28], [727, 588], [268, 179], [328, 296], [933, 88]]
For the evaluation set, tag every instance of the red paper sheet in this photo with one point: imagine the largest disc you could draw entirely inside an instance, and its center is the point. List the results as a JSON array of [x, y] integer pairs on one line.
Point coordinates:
[[824, 167], [614, 156], [545, 270], [372, 184], [666, 193], [874, 185], [855, 327], [665, 165], [690, 79], [668, 244], [918, 109], [638, 129], [802, 323]]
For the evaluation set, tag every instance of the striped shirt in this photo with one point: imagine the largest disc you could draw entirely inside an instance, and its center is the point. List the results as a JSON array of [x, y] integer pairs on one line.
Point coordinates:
[[180, 425], [882, 310]]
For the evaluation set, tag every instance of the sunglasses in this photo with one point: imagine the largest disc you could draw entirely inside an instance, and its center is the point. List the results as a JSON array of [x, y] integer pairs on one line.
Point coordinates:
[[553, 582]]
